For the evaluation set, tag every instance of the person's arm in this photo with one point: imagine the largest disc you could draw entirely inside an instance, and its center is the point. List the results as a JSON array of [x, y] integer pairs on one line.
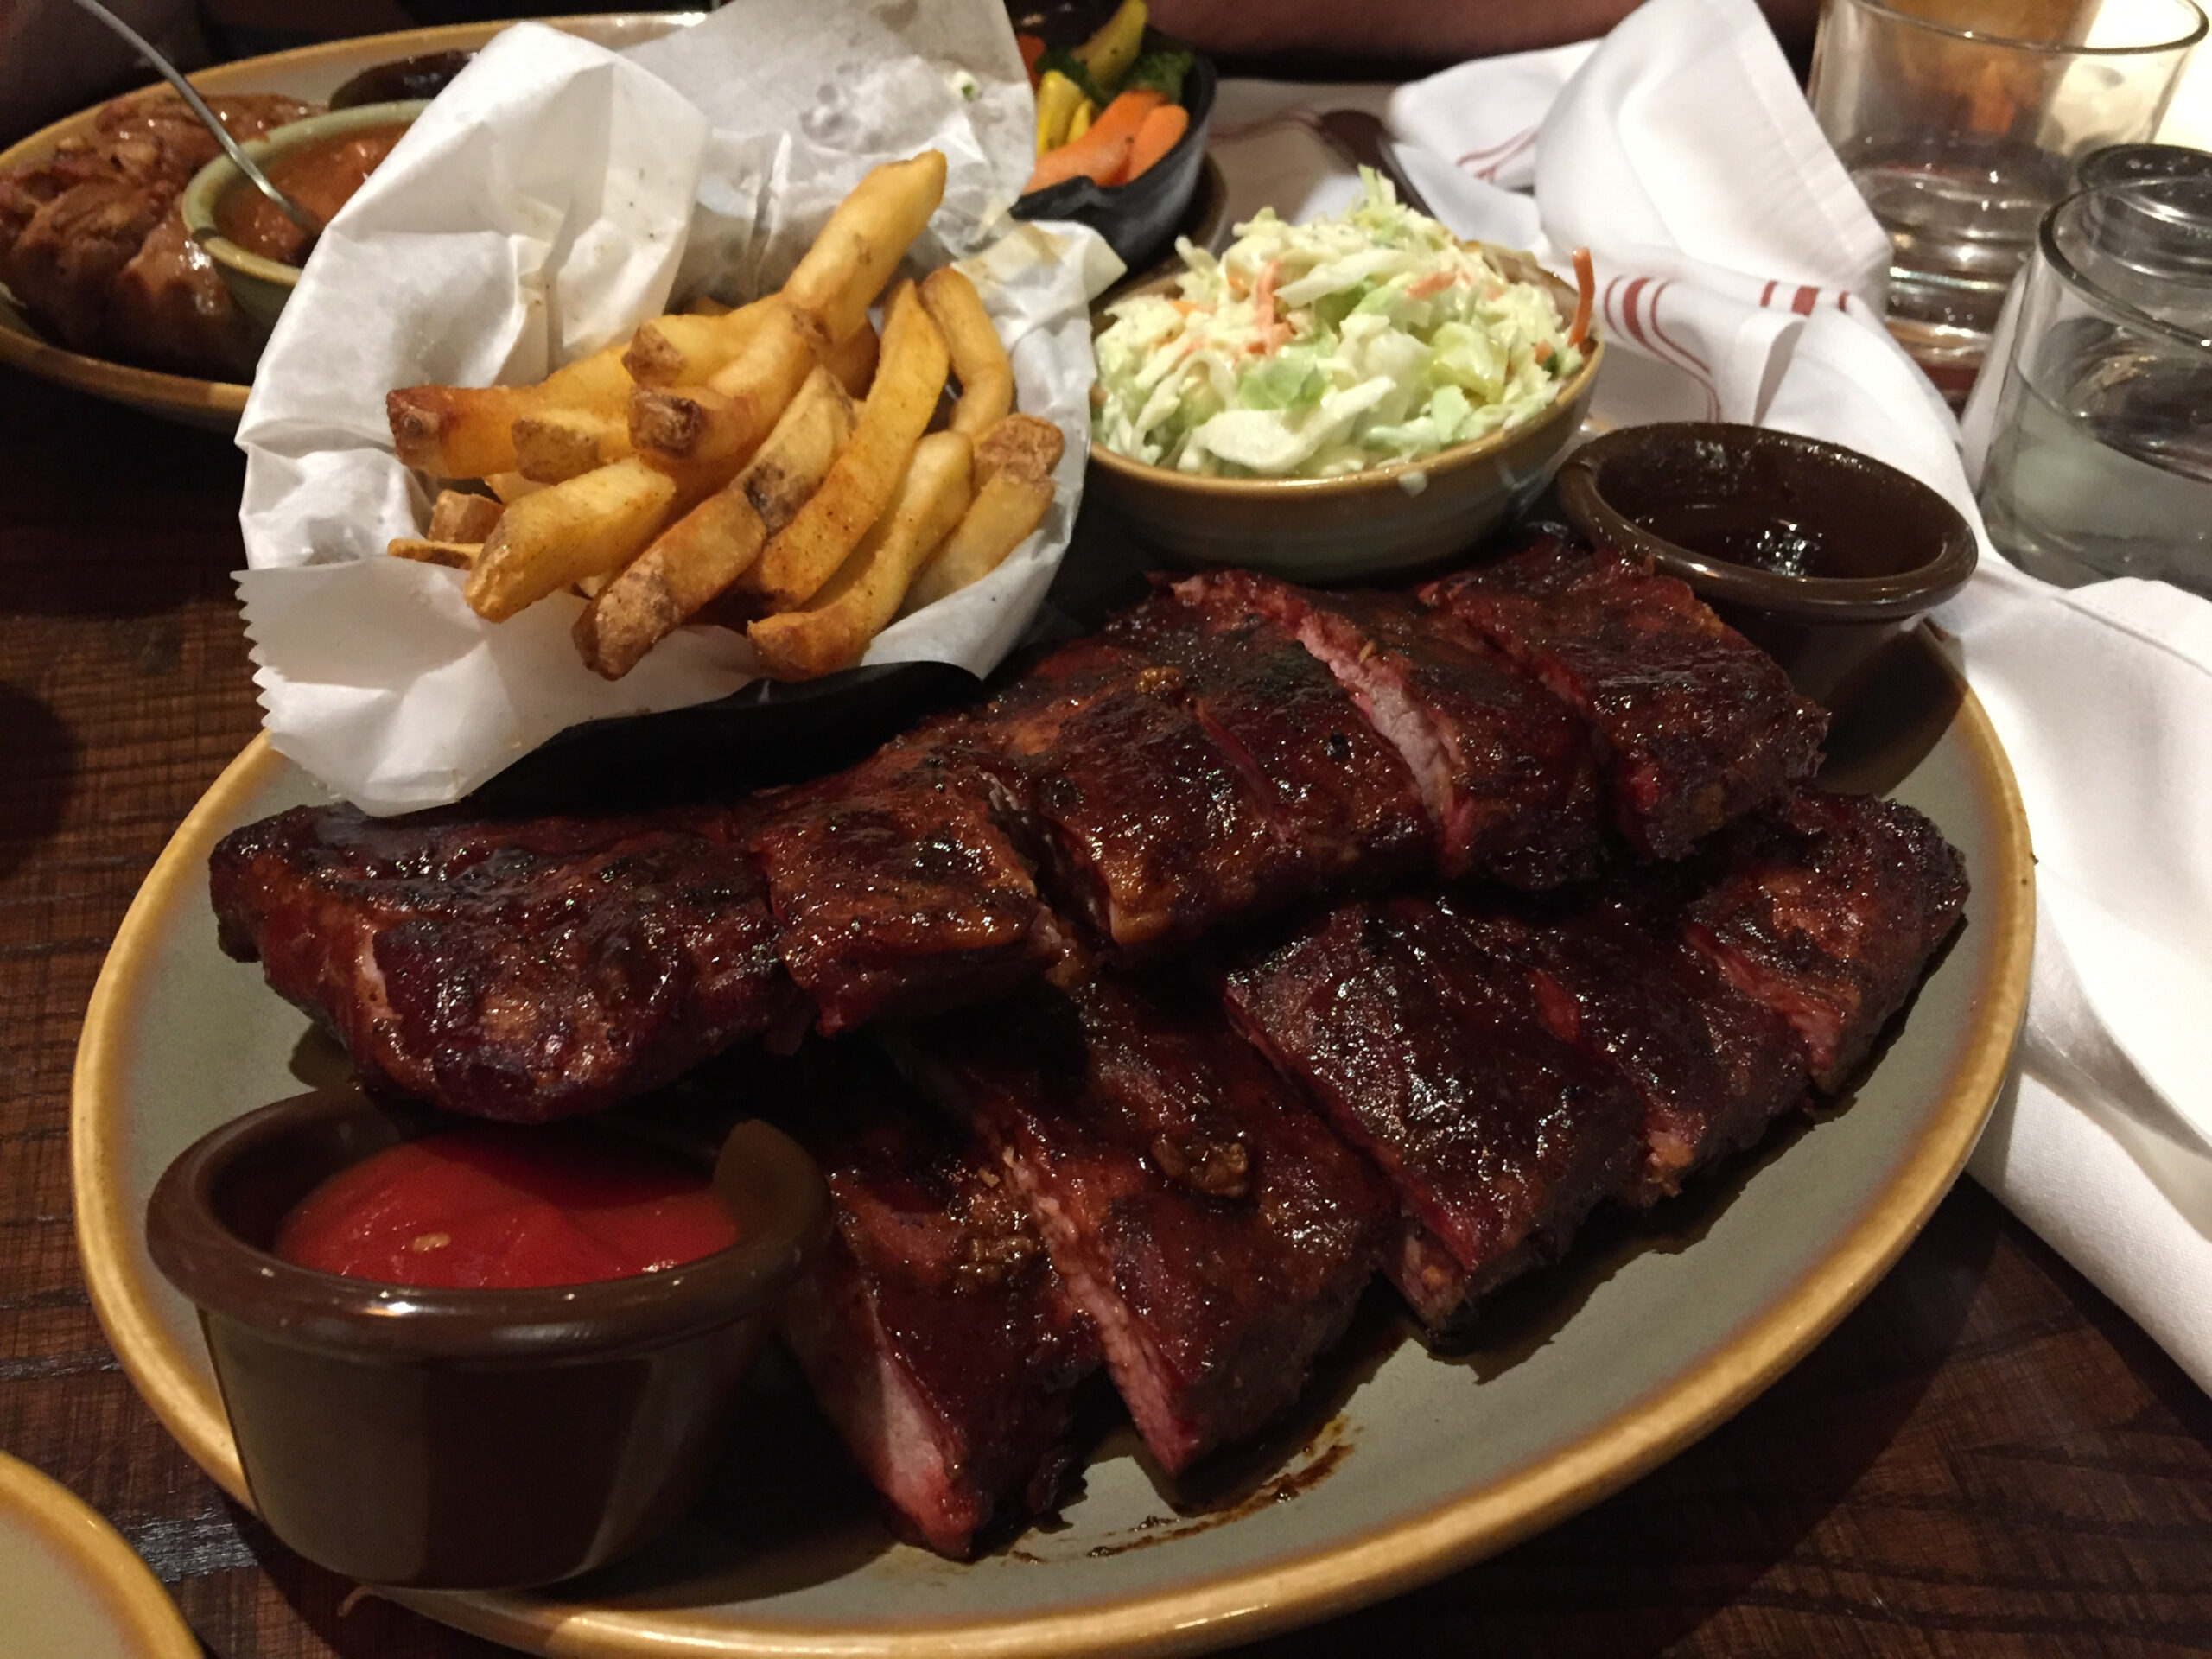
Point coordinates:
[[1414, 31]]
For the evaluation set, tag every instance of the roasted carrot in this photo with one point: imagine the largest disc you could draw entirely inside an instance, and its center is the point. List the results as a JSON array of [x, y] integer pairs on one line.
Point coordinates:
[[1161, 129], [1101, 151], [1032, 50]]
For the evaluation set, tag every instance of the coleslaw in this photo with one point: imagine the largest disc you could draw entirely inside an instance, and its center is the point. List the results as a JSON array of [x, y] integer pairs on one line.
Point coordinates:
[[1315, 350]]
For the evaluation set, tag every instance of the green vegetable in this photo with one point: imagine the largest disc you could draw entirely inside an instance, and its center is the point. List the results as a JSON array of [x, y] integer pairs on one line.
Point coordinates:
[[1062, 62], [1159, 71]]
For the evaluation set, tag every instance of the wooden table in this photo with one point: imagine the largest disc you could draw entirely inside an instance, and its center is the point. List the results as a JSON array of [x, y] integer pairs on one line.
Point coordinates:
[[1986, 1458]]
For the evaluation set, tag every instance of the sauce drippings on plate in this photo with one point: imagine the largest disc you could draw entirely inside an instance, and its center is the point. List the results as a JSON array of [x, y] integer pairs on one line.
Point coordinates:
[[321, 177], [494, 1207]]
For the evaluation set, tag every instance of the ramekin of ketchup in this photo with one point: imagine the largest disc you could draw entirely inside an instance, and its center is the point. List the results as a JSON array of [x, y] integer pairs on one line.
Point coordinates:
[[463, 1356], [492, 1206]]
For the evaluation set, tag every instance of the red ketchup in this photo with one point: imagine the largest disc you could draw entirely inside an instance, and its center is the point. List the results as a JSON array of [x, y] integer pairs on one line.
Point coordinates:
[[492, 1207]]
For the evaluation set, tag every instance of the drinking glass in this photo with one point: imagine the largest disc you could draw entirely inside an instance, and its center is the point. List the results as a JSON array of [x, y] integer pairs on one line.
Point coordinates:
[[1960, 122], [2101, 455]]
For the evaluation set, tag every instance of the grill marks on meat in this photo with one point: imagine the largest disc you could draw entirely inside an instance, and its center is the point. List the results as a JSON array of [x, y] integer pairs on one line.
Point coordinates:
[[1231, 746], [1341, 801], [933, 1329], [1700, 724], [1149, 828], [1711, 1067], [1826, 909], [524, 971], [897, 893], [93, 244], [1506, 773], [1446, 1063], [1214, 1229], [1509, 1063]]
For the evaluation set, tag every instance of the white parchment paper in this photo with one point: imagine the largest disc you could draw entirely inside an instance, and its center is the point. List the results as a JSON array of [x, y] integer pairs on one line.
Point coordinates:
[[554, 196]]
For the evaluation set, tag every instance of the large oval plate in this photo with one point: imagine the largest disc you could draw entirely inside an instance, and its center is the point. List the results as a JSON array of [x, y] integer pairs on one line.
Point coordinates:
[[312, 72], [1404, 1467]]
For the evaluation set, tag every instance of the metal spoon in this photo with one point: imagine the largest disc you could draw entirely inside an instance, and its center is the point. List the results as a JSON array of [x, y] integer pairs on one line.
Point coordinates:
[[245, 163]]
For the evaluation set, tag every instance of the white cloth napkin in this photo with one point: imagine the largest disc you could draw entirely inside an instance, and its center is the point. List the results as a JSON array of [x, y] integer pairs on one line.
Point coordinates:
[[1741, 278]]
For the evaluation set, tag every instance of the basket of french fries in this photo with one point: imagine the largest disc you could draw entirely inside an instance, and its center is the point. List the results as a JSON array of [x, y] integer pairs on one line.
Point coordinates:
[[776, 461], [873, 459]]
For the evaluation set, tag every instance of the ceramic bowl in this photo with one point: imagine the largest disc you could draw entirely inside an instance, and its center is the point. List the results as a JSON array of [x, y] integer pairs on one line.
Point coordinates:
[[1138, 219], [466, 1439], [261, 285], [1819, 554], [1387, 521]]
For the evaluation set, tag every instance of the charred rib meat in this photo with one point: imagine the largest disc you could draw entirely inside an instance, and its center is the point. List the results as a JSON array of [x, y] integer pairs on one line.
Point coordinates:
[[1213, 1228], [933, 1329], [1233, 745]]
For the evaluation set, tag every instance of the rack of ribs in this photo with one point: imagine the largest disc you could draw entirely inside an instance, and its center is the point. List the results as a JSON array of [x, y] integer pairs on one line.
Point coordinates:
[[1826, 909], [933, 1330], [1696, 723], [1487, 1069], [1231, 747], [526, 969], [1511, 1063], [1215, 1231]]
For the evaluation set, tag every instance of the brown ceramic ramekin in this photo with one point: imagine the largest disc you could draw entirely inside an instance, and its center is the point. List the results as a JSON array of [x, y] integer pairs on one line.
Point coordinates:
[[466, 1439], [1818, 553]]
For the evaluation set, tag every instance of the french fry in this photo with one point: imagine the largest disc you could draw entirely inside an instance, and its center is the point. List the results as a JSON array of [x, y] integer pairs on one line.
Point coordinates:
[[726, 419], [556, 445], [468, 431], [863, 242], [807, 551], [834, 630], [684, 350], [1025, 445], [706, 307], [978, 360], [550, 540], [701, 554], [1004, 512], [1013, 487], [460, 555], [509, 487], [457, 517], [853, 360]]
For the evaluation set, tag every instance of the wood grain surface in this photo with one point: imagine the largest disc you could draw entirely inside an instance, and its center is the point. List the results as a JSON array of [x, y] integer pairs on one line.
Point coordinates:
[[1985, 1458]]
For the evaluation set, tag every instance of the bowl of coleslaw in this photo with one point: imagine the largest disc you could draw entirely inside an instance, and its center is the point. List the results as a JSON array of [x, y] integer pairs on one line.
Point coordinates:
[[1352, 398]]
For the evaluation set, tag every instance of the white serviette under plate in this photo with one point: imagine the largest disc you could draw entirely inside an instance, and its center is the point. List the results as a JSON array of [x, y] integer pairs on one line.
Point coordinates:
[[1741, 278]]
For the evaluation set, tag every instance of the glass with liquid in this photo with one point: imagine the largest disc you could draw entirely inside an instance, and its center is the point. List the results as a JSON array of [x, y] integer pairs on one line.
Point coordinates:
[[2101, 458], [1961, 121]]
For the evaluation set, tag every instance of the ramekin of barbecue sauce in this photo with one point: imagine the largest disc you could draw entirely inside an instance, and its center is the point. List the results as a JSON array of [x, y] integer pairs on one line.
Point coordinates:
[[321, 176], [1823, 557], [461, 1355], [320, 162]]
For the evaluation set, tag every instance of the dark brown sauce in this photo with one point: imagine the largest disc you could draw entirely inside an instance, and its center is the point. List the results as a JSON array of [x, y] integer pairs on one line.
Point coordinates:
[[1739, 533], [321, 177], [1292, 1483]]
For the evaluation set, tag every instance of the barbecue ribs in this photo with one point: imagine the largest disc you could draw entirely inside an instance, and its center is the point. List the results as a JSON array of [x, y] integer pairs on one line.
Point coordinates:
[[933, 1329], [1230, 747]]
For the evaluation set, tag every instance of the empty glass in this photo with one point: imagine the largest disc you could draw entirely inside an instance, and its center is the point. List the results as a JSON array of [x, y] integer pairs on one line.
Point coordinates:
[[1961, 120], [2101, 454]]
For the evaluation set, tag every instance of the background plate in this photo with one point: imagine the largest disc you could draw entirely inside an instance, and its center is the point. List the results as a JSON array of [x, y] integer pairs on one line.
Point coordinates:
[[69, 1584], [312, 72], [1399, 1468]]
